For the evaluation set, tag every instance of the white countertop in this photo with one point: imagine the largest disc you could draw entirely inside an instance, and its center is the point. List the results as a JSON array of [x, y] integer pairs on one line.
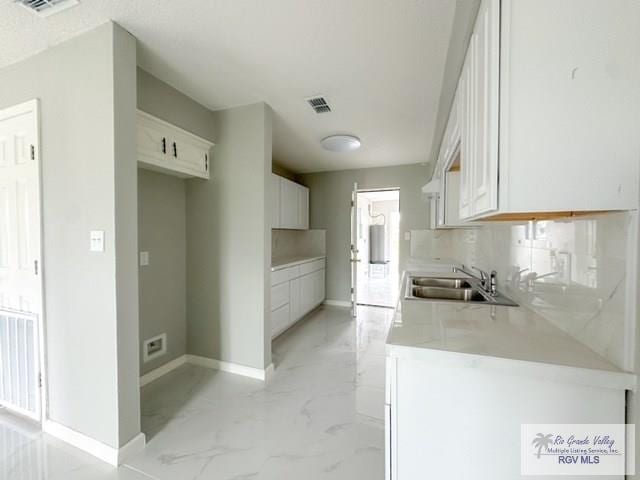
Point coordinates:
[[291, 261], [511, 339]]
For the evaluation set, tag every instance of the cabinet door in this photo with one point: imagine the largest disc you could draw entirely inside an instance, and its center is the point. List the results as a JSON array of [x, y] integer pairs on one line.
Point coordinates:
[[288, 204], [189, 156], [319, 287], [484, 85], [152, 143], [275, 201], [306, 293], [303, 207], [466, 135], [280, 320]]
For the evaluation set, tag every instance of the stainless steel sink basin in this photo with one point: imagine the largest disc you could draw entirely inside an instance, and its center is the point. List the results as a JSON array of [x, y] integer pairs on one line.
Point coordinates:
[[440, 282], [448, 289], [455, 293]]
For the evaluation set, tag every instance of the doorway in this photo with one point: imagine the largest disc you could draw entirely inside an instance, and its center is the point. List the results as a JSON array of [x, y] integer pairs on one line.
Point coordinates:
[[377, 237], [21, 304]]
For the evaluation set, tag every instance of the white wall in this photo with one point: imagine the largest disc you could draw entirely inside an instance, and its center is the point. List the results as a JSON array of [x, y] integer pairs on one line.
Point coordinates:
[[87, 91]]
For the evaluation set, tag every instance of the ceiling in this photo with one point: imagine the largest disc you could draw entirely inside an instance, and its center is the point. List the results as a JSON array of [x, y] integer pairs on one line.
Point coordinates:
[[380, 64]]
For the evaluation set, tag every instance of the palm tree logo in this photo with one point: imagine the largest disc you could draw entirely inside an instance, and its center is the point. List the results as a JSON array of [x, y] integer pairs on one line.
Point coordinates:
[[542, 441]]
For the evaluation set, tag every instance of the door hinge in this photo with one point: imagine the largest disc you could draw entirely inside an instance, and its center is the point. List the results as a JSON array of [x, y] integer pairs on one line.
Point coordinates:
[[39, 380], [33, 152], [351, 289], [206, 162], [35, 266], [353, 203]]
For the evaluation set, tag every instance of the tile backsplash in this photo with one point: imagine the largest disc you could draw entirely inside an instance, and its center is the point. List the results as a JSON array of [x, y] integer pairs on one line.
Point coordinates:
[[579, 273]]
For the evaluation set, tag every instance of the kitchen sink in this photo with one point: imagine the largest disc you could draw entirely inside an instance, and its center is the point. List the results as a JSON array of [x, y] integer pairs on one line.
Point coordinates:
[[451, 289], [440, 282], [456, 293]]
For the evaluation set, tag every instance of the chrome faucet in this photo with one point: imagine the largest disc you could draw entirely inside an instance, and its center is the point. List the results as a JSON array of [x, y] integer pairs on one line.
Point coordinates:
[[488, 281]]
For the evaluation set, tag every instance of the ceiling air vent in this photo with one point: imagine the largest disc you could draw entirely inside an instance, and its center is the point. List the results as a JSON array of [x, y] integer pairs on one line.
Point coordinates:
[[319, 104], [45, 8]]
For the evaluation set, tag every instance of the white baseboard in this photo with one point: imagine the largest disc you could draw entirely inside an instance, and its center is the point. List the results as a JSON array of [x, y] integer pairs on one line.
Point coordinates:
[[106, 453], [243, 370], [162, 370], [337, 303]]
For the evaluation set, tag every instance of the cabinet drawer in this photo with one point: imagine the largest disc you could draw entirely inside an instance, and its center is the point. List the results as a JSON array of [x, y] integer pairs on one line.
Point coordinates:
[[294, 272], [306, 268], [279, 320], [279, 276], [279, 295]]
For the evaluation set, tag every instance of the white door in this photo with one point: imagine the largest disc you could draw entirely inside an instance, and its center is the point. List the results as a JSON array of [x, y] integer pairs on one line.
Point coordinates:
[[20, 259], [354, 250]]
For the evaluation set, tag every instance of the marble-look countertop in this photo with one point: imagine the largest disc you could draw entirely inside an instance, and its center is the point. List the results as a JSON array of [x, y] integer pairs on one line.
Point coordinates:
[[286, 262], [515, 340]]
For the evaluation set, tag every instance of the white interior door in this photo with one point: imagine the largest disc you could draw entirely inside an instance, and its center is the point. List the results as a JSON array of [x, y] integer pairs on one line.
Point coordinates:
[[20, 260], [354, 251]]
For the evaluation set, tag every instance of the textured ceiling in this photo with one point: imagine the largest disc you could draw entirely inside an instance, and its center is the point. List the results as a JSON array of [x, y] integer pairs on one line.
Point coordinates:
[[380, 63]]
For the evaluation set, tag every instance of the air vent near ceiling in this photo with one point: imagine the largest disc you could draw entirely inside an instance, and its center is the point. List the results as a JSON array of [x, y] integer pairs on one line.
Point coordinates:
[[319, 104], [45, 8]]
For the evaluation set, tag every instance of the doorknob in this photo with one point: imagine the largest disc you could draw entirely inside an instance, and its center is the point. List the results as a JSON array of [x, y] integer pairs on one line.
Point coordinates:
[[355, 260]]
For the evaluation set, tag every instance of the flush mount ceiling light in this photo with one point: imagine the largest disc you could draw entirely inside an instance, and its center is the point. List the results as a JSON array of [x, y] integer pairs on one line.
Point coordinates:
[[340, 143]]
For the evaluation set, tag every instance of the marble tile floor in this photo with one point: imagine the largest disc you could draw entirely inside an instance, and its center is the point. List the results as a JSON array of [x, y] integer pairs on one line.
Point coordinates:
[[377, 288], [319, 417]]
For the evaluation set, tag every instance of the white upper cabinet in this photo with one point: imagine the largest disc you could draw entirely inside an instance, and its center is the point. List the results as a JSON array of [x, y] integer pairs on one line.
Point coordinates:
[[291, 209], [275, 201], [166, 148], [548, 104], [479, 112], [303, 207], [289, 203]]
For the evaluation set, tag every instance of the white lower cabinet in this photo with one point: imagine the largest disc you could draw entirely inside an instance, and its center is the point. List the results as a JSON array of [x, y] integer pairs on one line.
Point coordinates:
[[438, 412], [301, 287]]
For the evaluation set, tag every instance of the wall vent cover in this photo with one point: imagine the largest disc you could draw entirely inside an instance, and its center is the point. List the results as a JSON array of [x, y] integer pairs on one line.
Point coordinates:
[[319, 104], [45, 8]]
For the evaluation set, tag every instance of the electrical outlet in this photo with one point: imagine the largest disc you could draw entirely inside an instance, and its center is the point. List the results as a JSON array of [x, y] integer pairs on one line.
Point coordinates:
[[144, 259]]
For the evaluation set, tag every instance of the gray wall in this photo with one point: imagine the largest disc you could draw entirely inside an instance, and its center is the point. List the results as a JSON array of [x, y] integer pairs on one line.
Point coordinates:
[[330, 209], [228, 237], [87, 89], [165, 102], [162, 224], [163, 284], [229, 243]]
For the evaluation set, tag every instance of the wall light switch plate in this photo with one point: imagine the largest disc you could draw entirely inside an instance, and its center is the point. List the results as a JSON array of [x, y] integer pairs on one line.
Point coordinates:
[[144, 259], [407, 236], [96, 241]]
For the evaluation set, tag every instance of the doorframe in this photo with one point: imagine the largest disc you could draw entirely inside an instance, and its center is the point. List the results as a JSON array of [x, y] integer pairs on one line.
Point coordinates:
[[356, 192], [33, 106]]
